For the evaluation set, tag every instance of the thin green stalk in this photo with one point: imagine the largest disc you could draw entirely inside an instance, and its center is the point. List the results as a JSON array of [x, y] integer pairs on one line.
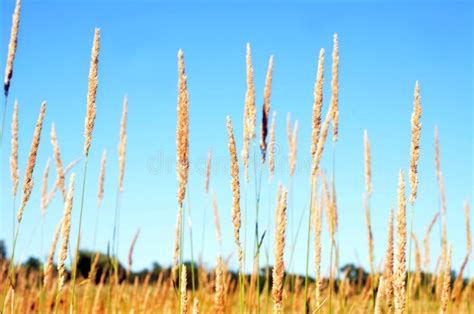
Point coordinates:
[[330, 276], [181, 244], [258, 186], [409, 258], [13, 217], [95, 229], [76, 255], [3, 118], [115, 235], [191, 244], [307, 249]]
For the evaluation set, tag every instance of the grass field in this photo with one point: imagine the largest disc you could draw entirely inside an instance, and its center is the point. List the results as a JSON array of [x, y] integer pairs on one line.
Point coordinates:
[[76, 281]]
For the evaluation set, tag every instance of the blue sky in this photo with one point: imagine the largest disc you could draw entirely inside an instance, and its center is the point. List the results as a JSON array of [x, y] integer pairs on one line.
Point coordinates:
[[384, 49]]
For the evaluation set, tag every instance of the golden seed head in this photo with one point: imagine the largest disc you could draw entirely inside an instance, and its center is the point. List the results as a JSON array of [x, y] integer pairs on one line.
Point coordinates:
[[335, 88], [271, 149], [65, 230], [266, 110], [92, 93], [12, 47], [48, 270], [234, 172], [415, 144], [293, 149], [123, 142], [28, 181], [59, 165], [100, 192], [279, 267], [400, 256], [317, 103], [44, 189], [368, 172], [14, 172], [208, 171], [182, 131]]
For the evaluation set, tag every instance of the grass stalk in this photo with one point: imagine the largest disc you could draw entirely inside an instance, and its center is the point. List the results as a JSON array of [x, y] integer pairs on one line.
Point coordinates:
[[412, 211], [307, 249], [78, 243]]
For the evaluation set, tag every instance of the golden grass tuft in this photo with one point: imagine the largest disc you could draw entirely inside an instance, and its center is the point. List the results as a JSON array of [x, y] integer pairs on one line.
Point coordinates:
[[182, 131], [266, 109], [92, 93], [415, 144], [12, 47], [14, 172], [400, 270], [234, 172], [65, 231], [317, 103], [100, 189], [59, 165], [30, 167], [279, 267]]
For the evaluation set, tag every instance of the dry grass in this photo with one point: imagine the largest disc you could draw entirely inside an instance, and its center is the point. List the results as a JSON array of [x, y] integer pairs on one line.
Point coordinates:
[[107, 287]]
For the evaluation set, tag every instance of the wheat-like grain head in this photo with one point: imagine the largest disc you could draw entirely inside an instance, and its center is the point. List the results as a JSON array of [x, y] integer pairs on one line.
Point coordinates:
[[234, 172], [271, 149], [250, 113], [293, 149], [322, 139], [208, 171], [220, 294], [380, 295], [415, 143], [92, 93], [182, 130], [48, 270], [65, 230], [123, 142], [215, 212], [132, 248], [196, 306], [14, 172], [184, 291], [44, 189], [446, 283], [266, 109], [59, 165], [30, 167], [370, 237], [317, 221], [279, 268], [400, 256], [100, 192], [388, 267], [250, 96], [335, 88], [368, 172], [317, 103], [12, 47]]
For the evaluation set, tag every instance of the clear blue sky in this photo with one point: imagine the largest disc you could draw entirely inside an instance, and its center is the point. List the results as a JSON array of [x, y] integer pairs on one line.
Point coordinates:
[[384, 49]]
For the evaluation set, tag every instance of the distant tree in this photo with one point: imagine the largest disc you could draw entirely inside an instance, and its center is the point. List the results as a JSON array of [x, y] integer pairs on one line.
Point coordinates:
[[3, 250], [354, 273], [32, 264]]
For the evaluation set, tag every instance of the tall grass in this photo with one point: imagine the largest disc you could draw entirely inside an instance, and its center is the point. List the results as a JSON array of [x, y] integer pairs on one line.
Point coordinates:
[[392, 288]]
